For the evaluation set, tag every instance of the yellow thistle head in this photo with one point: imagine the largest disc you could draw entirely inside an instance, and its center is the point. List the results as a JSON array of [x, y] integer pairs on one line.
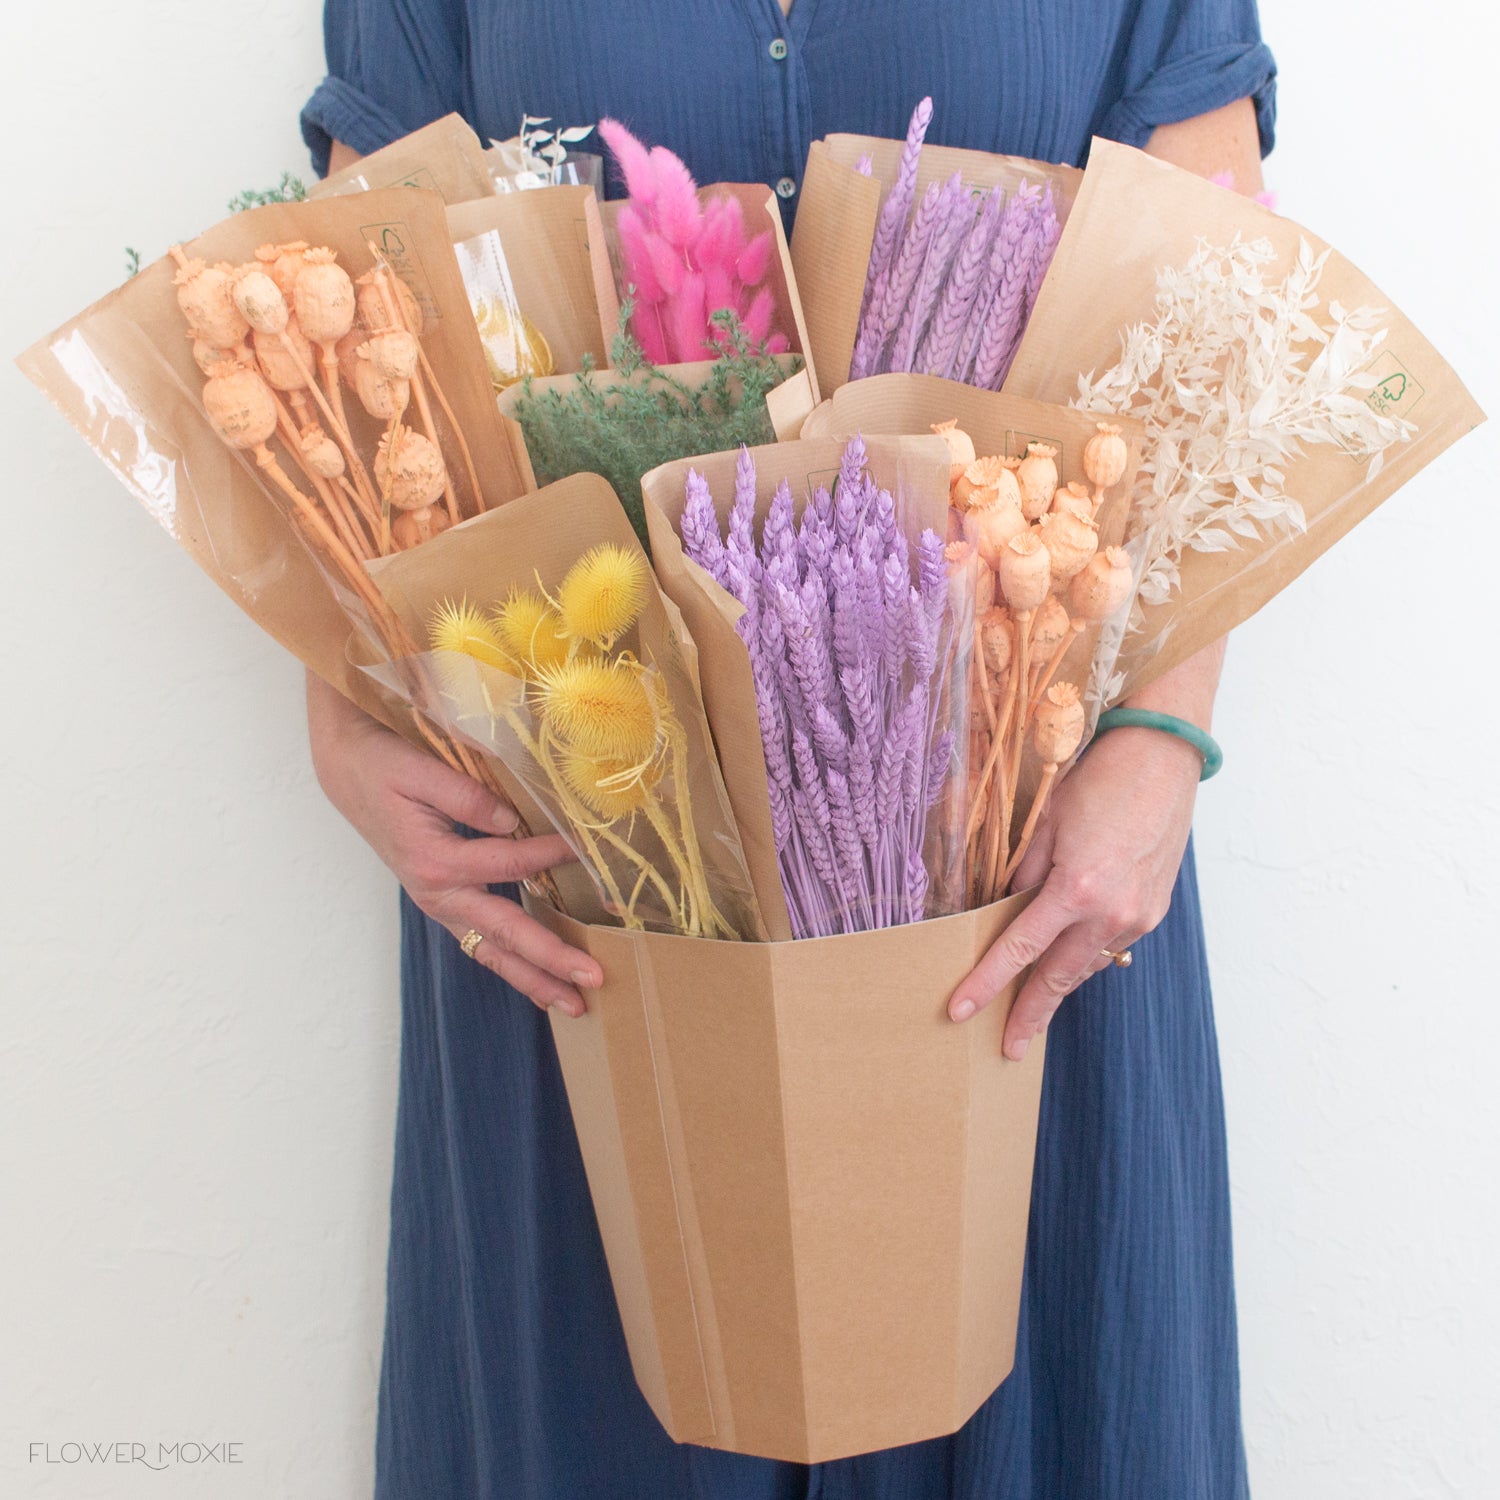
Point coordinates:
[[460, 627], [611, 788], [600, 709], [527, 627], [602, 595]]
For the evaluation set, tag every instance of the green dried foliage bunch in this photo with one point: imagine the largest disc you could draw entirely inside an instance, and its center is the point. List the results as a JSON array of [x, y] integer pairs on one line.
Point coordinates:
[[624, 421]]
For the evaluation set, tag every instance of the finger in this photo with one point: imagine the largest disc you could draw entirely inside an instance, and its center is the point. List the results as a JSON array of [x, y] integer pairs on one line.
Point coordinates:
[[462, 798], [500, 861], [509, 929], [1022, 943], [1071, 959], [543, 990], [1036, 863]]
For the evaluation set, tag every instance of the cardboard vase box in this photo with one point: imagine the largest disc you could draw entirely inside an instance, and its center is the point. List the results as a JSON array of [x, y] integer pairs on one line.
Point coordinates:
[[812, 1187]]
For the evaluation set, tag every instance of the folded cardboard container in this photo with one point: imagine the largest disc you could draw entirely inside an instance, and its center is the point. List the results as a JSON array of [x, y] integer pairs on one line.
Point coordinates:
[[812, 1186]]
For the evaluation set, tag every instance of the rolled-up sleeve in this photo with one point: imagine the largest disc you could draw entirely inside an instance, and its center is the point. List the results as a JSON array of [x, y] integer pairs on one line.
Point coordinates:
[[393, 66], [1188, 57]]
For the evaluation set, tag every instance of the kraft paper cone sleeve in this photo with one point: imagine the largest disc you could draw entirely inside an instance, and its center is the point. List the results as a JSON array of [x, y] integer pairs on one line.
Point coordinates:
[[915, 470], [123, 375], [812, 1187], [835, 228], [445, 157], [1135, 215], [551, 238], [530, 544]]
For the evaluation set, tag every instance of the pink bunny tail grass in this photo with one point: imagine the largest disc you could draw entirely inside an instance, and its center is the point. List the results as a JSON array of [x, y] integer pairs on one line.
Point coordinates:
[[678, 216], [635, 253], [758, 316], [633, 160], [647, 330], [667, 263], [721, 239], [755, 259], [687, 319], [778, 343], [721, 290]]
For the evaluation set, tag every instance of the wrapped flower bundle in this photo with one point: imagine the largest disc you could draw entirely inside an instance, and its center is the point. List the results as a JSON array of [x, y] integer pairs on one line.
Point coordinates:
[[684, 260], [952, 277], [851, 659], [593, 729]]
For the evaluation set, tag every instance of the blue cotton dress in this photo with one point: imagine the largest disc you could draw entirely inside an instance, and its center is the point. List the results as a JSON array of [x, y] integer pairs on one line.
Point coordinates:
[[505, 1374]]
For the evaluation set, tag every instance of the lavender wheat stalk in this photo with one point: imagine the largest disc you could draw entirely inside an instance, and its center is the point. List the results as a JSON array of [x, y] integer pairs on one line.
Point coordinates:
[[940, 347], [851, 663]]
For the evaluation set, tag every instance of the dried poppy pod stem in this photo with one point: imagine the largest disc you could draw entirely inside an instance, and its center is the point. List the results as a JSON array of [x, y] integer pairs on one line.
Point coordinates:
[[1104, 458], [344, 523], [323, 295], [265, 309], [1059, 730], [1026, 581], [420, 376]]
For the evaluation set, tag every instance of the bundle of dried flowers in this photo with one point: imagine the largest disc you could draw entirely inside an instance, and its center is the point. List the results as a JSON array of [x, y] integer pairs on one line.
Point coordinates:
[[1043, 581], [949, 292], [597, 726], [683, 260], [635, 416], [1234, 378], [851, 664]]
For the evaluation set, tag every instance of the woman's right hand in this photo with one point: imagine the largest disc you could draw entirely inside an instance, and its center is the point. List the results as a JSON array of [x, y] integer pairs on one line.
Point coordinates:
[[404, 803]]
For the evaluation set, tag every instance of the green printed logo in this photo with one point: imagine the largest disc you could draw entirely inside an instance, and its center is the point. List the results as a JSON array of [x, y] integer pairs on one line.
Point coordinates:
[[393, 242], [1396, 390]]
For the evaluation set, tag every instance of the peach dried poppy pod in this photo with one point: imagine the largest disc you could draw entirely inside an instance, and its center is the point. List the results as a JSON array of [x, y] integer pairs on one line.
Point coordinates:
[[412, 469], [985, 587], [393, 353], [347, 353], [413, 527], [1049, 628], [204, 293], [240, 407], [995, 639], [1076, 500], [210, 357], [986, 474], [323, 296], [286, 370], [989, 527], [1070, 542], [260, 301], [320, 453], [1102, 585], [1105, 456], [1059, 723], [374, 310], [960, 447], [282, 262], [1025, 572], [1037, 476], [382, 398]]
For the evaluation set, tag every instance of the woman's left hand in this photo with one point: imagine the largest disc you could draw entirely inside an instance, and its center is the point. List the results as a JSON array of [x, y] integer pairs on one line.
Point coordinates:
[[1106, 856]]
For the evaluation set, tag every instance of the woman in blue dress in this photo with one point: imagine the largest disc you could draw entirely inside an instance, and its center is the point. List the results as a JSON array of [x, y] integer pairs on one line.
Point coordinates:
[[505, 1374]]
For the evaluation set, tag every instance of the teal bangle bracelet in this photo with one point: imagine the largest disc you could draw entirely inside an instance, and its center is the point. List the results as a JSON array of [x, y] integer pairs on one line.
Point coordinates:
[[1145, 718]]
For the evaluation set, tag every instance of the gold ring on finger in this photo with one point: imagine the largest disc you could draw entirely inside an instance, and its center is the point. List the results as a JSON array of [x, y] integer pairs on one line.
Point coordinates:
[[1121, 960], [470, 941]]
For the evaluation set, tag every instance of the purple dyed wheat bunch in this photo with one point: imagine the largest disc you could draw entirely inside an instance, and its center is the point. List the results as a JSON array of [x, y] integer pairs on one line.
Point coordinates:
[[950, 292], [850, 658]]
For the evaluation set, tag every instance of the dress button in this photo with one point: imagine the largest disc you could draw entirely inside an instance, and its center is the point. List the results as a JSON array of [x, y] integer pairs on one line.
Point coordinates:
[[778, 49], [785, 188]]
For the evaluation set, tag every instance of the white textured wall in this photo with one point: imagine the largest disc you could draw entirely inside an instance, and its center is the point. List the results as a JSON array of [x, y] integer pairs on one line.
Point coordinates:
[[200, 1015]]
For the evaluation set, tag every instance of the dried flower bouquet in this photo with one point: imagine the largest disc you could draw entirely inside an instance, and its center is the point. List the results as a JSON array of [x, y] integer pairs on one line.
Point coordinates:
[[952, 279], [858, 671]]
